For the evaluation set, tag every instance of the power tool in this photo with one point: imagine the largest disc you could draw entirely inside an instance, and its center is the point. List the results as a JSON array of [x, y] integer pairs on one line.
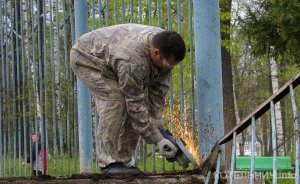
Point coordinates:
[[183, 157]]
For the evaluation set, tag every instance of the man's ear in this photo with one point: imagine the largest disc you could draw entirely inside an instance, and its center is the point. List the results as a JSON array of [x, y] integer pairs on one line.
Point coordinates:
[[155, 52]]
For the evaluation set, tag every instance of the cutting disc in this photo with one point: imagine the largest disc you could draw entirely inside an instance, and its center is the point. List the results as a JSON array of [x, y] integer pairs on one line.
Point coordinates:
[[188, 155]]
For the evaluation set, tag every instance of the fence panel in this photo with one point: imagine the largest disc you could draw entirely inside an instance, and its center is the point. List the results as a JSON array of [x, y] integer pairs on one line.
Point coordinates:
[[39, 90], [289, 169]]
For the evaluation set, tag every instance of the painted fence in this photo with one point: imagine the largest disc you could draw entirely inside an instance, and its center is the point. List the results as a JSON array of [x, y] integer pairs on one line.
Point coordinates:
[[284, 174], [39, 91]]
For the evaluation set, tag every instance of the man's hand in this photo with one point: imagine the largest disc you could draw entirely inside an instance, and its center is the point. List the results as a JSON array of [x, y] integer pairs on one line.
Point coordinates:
[[159, 123], [166, 148]]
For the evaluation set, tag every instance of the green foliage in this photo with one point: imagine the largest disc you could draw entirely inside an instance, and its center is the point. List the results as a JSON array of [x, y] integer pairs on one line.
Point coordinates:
[[225, 25], [252, 72], [272, 28]]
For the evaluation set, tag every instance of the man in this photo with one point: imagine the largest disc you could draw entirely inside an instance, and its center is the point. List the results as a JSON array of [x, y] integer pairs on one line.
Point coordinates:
[[127, 68], [39, 162]]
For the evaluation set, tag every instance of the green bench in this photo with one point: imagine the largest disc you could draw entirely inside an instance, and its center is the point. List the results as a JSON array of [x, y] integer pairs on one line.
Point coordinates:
[[264, 164]]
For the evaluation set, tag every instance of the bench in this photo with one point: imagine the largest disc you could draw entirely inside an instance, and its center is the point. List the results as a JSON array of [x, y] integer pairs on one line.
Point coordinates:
[[264, 164]]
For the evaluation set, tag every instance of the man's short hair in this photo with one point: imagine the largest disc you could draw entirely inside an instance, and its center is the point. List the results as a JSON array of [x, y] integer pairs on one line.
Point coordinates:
[[169, 43]]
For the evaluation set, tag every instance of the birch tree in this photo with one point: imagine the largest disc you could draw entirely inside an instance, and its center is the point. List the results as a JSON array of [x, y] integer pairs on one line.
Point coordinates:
[[271, 27], [278, 117]]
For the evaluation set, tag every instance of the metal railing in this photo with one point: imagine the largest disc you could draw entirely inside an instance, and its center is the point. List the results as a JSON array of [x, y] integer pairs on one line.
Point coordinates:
[[214, 161], [39, 90]]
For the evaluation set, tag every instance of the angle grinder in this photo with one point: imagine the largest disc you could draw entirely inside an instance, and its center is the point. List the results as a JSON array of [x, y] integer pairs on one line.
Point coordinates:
[[183, 157]]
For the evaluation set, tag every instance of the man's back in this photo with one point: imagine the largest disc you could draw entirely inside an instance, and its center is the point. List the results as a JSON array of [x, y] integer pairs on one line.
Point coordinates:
[[115, 40]]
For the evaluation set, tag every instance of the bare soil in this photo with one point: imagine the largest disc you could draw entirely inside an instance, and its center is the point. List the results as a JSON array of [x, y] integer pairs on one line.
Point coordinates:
[[184, 176]]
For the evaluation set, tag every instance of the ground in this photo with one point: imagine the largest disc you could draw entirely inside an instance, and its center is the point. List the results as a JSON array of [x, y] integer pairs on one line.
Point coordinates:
[[189, 176]]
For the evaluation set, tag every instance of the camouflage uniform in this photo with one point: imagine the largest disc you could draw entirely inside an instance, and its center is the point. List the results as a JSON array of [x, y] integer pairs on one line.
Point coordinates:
[[114, 63]]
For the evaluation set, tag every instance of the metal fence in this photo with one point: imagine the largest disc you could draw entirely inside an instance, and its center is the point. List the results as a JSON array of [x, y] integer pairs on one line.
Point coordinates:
[[39, 90], [252, 173]]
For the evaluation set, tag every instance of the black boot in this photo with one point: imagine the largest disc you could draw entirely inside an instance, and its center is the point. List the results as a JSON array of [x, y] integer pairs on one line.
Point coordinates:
[[120, 169]]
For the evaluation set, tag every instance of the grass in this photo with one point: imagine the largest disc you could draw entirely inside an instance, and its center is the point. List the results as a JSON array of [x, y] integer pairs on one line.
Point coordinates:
[[67, 167], [282, 178]]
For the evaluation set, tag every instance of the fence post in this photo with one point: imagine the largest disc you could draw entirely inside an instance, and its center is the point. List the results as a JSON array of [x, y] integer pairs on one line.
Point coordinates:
[[208, 75], [84, 98]]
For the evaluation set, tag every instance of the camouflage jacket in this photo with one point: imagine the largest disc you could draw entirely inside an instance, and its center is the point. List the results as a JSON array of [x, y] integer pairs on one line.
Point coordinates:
[[123, 54]]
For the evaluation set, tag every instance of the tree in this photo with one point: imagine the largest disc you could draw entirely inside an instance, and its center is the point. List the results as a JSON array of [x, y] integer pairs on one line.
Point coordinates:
[[278, 116], [228, 102], [250, 76], [272, 29]]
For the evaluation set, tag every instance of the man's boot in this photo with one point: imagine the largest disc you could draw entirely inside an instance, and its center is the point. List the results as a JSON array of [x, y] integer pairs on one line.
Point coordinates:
[[120, 169]]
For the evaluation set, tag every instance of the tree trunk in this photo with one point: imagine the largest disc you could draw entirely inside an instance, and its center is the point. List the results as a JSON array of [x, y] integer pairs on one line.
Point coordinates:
[[27, 81], [278, 117], [285, 128], [229, 116], [239, 138], [265, 137]]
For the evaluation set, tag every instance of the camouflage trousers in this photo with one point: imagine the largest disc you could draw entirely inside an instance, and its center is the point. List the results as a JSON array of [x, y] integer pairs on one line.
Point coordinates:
[[116, 139]]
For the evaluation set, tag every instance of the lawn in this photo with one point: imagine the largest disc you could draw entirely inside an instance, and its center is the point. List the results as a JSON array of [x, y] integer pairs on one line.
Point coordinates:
[[67, 167], [282, 178]]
